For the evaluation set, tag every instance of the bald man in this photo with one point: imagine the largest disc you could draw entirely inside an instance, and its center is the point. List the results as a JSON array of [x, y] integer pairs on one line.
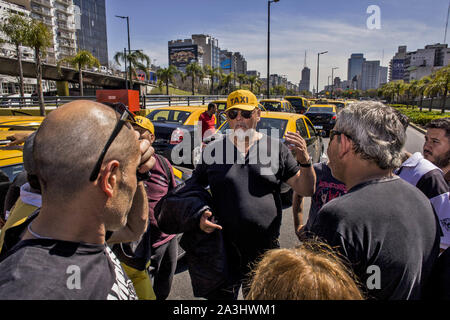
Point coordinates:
[[63, 253]]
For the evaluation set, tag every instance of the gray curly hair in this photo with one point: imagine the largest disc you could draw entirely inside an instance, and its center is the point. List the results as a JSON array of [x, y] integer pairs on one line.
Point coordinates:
[[376, 131]]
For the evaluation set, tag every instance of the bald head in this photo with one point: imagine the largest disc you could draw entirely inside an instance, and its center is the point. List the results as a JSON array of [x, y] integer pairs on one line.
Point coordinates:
[[70, 140]]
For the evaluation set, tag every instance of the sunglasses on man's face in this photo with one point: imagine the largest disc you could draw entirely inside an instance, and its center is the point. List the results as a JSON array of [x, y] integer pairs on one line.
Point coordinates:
[[125, 116], [232, 114]]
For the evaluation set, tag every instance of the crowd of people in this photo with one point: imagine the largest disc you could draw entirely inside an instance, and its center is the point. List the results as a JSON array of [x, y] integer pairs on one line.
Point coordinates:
[[97, 210]]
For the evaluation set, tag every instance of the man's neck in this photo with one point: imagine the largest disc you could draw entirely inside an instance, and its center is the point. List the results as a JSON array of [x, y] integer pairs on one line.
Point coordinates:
[[67, 224], [446, 169], [363, 171]]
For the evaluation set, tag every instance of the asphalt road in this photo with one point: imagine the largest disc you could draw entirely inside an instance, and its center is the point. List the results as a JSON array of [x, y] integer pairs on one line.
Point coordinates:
[[181, 287]]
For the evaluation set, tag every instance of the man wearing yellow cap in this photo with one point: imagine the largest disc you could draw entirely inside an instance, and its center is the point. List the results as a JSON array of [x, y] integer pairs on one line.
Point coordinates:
[[246, 190]]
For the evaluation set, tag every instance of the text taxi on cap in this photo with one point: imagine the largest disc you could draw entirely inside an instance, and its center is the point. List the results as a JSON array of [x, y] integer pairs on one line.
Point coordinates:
[[242, 99]]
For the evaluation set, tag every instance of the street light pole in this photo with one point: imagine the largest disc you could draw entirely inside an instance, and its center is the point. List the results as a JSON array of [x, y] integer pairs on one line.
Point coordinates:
[[126, 72], [317, 84], [332, 81], [129, 46], [268, 46]]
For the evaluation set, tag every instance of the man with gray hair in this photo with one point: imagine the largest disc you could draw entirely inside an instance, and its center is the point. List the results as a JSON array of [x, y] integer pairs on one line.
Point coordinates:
[[384, 226]]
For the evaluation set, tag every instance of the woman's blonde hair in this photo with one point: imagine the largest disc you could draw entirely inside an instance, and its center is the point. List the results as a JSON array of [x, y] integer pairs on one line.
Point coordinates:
[[311, 271]]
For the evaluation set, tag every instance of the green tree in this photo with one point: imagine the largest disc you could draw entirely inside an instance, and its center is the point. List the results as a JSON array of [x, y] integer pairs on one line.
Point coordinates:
[[442, 77], [80, 61], [258, 84], [226, 81], [422, 85], [399, 87], [242, 78], [15, 28], [212, 73], [252, 80], [39, 37], [167, 75], [194, 71], [136, 60], [432, 90]]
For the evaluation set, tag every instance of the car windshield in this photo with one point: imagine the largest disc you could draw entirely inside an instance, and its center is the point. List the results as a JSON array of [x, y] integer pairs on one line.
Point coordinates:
[[297, 103], [320, 110], [338, 104], [265, 124], [271, 105], [164, 115]]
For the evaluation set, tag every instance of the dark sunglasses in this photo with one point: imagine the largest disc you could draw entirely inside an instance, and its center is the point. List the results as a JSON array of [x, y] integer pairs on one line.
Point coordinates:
[[232, 114], [337, 133], [125, 116]]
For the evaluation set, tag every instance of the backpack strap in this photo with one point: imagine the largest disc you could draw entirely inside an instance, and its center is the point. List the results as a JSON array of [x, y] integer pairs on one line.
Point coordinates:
[[167, 170]]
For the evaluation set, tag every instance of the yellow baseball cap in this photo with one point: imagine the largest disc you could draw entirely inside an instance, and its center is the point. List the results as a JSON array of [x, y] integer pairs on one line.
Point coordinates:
[[242, 99], [145, 123]]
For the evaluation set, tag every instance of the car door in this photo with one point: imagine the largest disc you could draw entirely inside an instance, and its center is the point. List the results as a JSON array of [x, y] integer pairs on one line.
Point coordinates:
[[314, 143], [301, 128]]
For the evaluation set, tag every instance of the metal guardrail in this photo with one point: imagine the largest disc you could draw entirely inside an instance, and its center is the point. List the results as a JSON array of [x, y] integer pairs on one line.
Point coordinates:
[[146, 102]]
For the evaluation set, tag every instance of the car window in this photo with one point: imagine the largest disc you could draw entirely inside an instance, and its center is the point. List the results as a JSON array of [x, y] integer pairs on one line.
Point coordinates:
[[168, 116], [301, 128], [221, 106], [311, 129], [320, 110], [271, 105], [265, 124]]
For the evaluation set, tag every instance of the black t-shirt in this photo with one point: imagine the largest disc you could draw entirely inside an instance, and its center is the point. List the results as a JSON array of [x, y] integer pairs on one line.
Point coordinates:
[[386, 224], [59, 270], [246, 191]]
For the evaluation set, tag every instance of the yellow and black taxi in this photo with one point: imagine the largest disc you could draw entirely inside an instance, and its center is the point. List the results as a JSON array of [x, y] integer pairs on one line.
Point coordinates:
[[338, 103], [300, 104], [172, 126], [278, 105], [323, 116]]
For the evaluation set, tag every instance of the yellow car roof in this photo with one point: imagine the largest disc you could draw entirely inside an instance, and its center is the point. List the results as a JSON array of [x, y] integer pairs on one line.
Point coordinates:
[[7, 122], [281, 115], [323, 105]]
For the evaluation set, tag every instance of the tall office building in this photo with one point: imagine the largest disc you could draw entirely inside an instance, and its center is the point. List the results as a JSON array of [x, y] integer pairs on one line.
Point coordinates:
[[305, 81], [211, 50], [370, 75], [355, 64], [397, 65], [90, 21]]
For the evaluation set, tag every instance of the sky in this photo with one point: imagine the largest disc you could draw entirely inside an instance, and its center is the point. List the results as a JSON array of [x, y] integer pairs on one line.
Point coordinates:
[[339, 27]]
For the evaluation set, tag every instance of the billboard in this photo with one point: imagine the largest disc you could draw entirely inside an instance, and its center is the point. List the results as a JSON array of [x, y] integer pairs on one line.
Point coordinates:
[[225, 60], [183, 55]]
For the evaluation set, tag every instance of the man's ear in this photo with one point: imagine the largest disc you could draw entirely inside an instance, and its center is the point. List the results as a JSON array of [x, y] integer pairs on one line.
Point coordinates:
[[258, 114], [345, 146], [109, 178]]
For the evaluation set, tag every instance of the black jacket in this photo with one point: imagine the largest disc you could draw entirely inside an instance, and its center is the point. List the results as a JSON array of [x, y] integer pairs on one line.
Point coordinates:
[[179, 212]]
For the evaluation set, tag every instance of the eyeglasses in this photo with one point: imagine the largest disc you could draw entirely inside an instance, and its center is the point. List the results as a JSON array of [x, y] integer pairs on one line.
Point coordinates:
[[125, 115], [232, 114], [336, 133]]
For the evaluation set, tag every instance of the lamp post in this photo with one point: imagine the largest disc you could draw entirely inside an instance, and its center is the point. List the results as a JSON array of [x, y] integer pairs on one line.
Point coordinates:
[[268, 46], [317, 84], [128, 32], [332, 81]]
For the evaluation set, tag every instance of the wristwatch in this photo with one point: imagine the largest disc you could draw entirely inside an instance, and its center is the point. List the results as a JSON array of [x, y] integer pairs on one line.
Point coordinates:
[[306, 165]]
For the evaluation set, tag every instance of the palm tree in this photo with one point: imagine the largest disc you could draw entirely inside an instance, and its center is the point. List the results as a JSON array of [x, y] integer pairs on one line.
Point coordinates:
[[15, 28], [399, 87], [252, 80], [422, 85], [166, 75], [81, 60], [137, 60], [212, 73], [432, 90], [443, 81], [194, 71], [226, 80], [258, 84], [39, 37], [242, 78]]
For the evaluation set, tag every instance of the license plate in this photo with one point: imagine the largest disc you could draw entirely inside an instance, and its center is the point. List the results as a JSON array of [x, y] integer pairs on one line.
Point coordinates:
[[318, 127]]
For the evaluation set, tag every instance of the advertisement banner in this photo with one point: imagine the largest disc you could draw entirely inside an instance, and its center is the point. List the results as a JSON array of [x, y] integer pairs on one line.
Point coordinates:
[[182, 56]]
